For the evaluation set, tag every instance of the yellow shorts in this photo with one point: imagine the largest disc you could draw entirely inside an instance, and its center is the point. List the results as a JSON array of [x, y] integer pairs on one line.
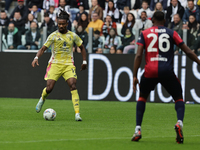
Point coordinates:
[[54, 71]]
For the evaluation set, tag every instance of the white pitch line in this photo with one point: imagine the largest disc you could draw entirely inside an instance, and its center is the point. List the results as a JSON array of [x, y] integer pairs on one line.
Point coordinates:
[[86, 139]]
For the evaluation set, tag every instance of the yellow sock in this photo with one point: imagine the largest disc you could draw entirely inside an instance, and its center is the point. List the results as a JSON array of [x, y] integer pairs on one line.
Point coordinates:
[[75, 100], [44, 94]]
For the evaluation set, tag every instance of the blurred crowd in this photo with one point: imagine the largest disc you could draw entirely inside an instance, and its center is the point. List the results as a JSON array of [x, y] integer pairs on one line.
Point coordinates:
[[114, 22]]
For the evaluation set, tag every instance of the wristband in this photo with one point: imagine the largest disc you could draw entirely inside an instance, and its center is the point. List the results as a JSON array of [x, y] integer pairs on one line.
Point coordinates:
[[85, 62], [36, 57]]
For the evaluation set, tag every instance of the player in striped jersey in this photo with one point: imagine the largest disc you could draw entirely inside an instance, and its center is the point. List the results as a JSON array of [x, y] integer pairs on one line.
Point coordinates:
[[158, 42]]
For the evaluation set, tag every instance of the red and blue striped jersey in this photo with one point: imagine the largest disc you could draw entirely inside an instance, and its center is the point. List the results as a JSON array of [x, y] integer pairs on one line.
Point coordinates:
[[158, 42]]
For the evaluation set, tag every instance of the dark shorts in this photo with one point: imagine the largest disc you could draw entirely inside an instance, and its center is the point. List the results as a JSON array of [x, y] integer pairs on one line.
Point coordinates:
[[171, 83]]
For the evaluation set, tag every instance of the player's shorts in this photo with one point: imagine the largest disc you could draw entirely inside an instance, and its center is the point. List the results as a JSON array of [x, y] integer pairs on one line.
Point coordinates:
[[171, 83], [54, 71]]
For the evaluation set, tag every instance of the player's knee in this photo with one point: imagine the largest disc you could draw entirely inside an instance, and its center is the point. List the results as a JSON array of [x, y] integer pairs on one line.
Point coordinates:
[[73, 87], [49, 89]]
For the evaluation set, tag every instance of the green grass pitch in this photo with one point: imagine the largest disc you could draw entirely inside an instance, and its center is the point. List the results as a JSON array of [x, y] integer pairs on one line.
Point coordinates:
[[105, 126]]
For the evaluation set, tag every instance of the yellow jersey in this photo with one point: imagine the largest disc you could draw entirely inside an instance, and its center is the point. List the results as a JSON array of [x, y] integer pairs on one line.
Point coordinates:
[[62, 47]]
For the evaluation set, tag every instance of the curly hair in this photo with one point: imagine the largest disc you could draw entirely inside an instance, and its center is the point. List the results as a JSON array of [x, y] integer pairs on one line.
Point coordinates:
[[63, 15]]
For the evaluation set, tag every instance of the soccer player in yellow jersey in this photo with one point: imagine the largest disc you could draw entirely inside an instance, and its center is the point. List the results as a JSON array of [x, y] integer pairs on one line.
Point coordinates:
[[61, 62]]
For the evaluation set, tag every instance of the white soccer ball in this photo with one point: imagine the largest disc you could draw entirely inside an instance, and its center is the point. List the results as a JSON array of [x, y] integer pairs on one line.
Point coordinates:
[[49, 114]]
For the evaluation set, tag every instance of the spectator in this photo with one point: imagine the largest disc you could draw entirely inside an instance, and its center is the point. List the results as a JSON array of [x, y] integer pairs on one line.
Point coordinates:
[[177, 24], [124, 16], [119, 51], [138, 4], [19, 22], [82, 34], [4, 21], [47, 4], [154, 2], [107, 25], [193, 25], [126, 39], [85, 4], [159, 7], [142, 23], [95, 9], [20, 8], [74, 9], [113, 50], [97, 42], [122, 3], [32, 38], [96, 24], [36, 13], [63, 6], [52, 14], [83, 20], [130, 22], [146, 9], [38, 3], [49, 23], [197, 45], [12, 36], [30, 19], [190, 39], [112, 11], [99, 51], [78, 15], [191, 9], [174, 8], [111, 40], [129, 49], [8, 2]]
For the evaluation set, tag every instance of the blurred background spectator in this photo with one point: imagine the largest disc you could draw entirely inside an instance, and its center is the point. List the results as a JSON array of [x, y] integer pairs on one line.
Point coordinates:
[[83, 21], [177, 24], [96, 23], [142, 23], [174, 8], [130, 22], [111, 40], [95, 9], [49, 23], [126, 39], [82, 34], [97, 42], [32, 38], [38, 3], [20, 8], [29, 20], [47, 4], [112, 50], [124, 15], [12, 36], [4, 20], [107, 25], [112, 11], [78, 15], [19, 22], [145, 7], [191, 9], [36, 13]]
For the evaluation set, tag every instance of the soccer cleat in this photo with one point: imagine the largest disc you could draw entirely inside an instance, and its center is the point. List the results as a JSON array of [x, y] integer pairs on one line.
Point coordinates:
[[77, 117], [39, 105], [179, 133], [136, 136]]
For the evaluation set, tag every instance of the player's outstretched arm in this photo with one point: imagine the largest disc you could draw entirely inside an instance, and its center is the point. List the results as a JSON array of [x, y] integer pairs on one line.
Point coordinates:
[[137, 62], [38, 55], [83, 53], [190, 53]]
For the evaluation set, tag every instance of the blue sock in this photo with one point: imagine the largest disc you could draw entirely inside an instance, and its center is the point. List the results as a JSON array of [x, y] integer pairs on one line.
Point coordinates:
[[140, 108], [180, 109]]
